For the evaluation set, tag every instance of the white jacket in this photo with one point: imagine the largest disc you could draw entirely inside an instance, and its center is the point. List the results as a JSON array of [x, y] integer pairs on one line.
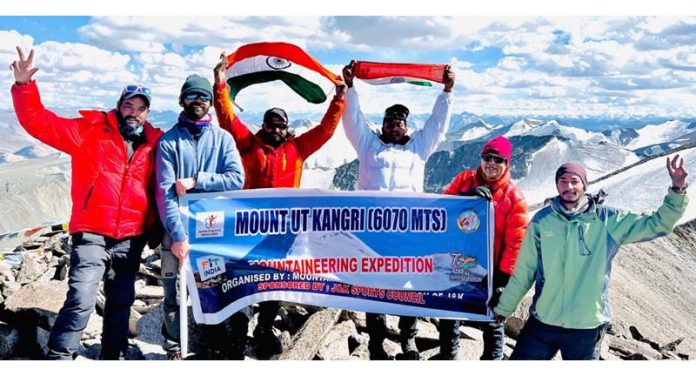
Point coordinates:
[[393, 167]]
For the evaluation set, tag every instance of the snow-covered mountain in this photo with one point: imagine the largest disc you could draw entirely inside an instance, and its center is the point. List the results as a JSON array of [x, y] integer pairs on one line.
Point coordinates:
[[660, 133]]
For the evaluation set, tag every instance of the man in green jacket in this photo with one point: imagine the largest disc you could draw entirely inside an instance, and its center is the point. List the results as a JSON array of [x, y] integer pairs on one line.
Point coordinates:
[[567, 253]]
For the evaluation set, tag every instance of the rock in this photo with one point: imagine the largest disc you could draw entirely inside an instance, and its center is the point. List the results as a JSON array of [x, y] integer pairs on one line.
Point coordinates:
[[358, 318], [9, 341], [31, 269], [149, 337], [630, 349], [335, 346], [38, 302], [10, 288], [94, 327], [392, 348], [513, 326], [150, 292], [672, 346], [308, 338], [604, 353], [471, 333]]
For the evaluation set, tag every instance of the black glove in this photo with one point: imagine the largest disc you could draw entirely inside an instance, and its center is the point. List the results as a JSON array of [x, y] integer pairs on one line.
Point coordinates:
[[480, 191], [495, 297], [500, 279]]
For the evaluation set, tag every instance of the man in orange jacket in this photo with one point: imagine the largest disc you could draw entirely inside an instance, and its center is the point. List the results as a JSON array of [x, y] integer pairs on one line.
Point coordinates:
[[510, 226], [112, 204], [272, 158]]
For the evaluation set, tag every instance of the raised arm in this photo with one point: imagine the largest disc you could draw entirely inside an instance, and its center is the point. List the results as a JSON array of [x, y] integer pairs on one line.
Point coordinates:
[[435, 128], [312, 140], [61, 133], [224, 111], [626, 227], [354, 124]]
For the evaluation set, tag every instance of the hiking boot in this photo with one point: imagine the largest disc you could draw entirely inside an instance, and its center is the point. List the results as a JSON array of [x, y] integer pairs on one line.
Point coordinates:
[[408, 355], [267, 343], [378, 353]]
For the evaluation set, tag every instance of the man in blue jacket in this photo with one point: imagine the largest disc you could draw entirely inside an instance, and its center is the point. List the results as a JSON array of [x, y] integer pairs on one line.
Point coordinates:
[[193, 156]]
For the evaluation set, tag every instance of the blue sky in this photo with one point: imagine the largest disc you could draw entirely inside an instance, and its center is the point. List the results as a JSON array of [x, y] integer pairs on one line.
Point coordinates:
[[614, 66]]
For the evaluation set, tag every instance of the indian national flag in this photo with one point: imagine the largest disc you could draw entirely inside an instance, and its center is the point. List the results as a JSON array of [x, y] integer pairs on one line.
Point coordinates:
[[257, 63], [394, 73]]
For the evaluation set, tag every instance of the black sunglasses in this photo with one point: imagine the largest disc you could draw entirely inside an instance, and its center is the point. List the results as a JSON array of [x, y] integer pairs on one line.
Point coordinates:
[[490, 157], [192, 96], [272, 126]]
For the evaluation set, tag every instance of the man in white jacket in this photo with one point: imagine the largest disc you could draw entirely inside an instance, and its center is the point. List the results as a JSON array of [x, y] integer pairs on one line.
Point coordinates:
[[394, 161]]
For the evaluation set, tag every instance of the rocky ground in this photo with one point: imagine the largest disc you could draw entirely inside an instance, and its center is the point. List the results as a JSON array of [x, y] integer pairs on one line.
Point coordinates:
[[652, 293]]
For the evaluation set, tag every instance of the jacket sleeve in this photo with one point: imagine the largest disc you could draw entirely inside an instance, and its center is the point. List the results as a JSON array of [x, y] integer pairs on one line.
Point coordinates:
[[232, 176], [61, 133], [357, 131], [167, 200], [427, 139], [228, 120], [455, 187], [515, 228], [524, 275], [626, 227], [312, 140]]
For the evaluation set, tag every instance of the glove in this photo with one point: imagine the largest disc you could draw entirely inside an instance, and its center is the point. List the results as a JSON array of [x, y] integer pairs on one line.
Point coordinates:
[[480, 191], [495, 297], [500, 279]]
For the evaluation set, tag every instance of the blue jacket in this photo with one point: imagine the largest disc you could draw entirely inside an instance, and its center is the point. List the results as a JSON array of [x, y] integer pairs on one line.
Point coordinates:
[[213, 161]]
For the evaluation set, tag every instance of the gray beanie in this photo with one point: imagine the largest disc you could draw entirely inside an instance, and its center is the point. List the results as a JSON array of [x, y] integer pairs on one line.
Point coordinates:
[[196, 84]]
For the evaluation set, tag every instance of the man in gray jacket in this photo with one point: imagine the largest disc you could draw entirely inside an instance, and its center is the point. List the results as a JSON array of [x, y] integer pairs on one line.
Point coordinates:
[[193, 156]]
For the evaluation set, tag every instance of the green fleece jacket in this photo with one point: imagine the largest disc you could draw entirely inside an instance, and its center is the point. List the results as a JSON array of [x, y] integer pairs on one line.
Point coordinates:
[[569, 259]]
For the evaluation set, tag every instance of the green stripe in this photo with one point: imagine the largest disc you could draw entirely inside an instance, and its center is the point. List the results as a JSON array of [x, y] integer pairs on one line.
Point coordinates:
[[308, 90]]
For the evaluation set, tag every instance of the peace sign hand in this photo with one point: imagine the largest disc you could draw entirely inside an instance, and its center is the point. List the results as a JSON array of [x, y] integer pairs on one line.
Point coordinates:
[[676, 170], [23, 69]]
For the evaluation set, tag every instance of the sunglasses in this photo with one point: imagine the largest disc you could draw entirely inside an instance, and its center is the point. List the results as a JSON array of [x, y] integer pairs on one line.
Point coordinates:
[[281, 126], [490, 157], [136, 89], [203, 96], [396, 115]]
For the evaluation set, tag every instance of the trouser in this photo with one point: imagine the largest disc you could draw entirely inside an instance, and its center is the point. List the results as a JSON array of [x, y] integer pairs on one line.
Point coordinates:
[[93, 258], [493, 338], [539, 341], [216, 336], [377, 329]]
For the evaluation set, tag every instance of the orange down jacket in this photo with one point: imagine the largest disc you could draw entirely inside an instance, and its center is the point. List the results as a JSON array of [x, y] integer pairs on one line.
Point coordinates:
[[510, 211], [268, 167], [110, 196]]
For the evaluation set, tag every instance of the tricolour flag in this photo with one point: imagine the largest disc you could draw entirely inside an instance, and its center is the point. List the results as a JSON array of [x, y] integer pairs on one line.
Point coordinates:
[[257, 63], [394, 73]]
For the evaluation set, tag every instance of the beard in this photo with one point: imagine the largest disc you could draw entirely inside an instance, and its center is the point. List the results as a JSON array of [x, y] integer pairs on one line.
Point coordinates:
[[129, 126], [195, 111], [273, 139]]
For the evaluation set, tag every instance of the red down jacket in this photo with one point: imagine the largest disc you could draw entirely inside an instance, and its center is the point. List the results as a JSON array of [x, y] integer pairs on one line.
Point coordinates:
[[268, 167], [110, 196], [510, 214]]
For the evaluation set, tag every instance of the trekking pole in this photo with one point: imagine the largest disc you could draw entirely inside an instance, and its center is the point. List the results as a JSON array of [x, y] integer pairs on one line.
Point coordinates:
[[183, 308]]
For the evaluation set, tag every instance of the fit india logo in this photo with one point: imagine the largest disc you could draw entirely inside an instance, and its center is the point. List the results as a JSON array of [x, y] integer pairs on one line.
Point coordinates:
[[468, 222], [460, 261], [210, 224], [210, 266]]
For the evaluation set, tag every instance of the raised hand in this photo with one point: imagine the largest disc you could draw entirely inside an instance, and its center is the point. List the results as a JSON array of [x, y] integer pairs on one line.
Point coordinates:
[[448, 77], [349, 73], [676, 170], [220, 68], [22, 68], [341, 90]]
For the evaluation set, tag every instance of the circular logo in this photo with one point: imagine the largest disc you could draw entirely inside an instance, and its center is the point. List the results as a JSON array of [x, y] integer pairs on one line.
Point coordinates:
[[468, 221], [278, 63]]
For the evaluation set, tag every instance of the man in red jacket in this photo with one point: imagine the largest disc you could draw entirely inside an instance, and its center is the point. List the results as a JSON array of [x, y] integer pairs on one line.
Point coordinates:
[[510, 226], [272, 158], [112, 204]]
